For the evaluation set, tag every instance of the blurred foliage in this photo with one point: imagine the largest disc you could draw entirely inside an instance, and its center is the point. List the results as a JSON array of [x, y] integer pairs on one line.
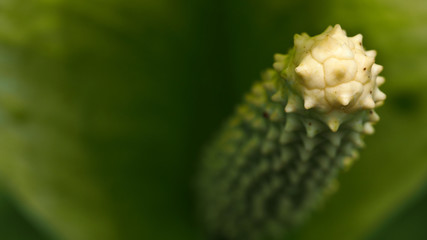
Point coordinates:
[[13, 225], [106, 105], [408, 222]]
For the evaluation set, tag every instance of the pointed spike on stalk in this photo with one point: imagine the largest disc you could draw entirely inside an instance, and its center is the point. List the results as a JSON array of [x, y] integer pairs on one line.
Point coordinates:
[[332, 187], [379, 95], [235, 121], [335, 138], [356, 125], [373, 116], [380, 80], [356, 139], [336, 29], [302, 70], [344, 99], [312, 127], [368, 128], [258, 89], [278, 57], [299, 39], [269, 85], [368, 102], [278, 96], [279, 66], [292, 104], [333, 124], [243, 109], [369, 61], [247, 114], [347, 149], [354, 154], [269, 75], [259, 124], [309, 102], [371, 53], [376, 69], [328, 29], [379, 103], [347, 162], [357, 40]]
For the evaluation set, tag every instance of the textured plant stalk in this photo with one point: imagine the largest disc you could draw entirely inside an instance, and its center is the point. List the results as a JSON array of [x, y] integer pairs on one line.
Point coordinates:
[[280, 153]]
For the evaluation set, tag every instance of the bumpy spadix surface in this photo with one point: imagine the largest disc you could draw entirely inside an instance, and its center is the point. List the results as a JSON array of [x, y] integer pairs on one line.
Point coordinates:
[[279, 154], [333, 73]]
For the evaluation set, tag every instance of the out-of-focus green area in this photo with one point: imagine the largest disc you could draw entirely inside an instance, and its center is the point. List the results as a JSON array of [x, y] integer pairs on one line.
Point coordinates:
[[106, 105], [408, 222]]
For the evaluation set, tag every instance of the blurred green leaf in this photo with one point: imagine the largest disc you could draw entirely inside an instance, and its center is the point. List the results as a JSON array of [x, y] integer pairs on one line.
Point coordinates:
[[407, 223], [94, 132], [14, 225]]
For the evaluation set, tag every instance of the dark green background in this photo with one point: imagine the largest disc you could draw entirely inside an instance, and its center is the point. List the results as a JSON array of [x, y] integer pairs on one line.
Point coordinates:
[[105, 106]]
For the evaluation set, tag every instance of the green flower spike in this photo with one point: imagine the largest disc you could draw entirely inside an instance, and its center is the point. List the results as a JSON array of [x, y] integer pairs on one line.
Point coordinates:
[[279, 154]]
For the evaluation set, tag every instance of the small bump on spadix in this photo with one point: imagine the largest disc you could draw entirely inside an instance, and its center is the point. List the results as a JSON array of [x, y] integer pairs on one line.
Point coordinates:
[[371, 53], [380, 80], [368, 128], [309, 102], [333, 124], [292, 104], [373, 116], [378, 95], [279, 57], [357, 40], [279, 66], [368, 102], [376, 69], [344, 99]]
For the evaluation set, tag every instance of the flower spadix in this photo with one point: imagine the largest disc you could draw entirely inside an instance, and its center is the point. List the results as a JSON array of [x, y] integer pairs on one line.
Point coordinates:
[[280, 152], [333, 74]]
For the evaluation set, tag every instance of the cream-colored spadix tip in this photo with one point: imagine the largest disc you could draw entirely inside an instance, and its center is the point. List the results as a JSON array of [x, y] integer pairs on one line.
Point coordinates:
[[336, 72]]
